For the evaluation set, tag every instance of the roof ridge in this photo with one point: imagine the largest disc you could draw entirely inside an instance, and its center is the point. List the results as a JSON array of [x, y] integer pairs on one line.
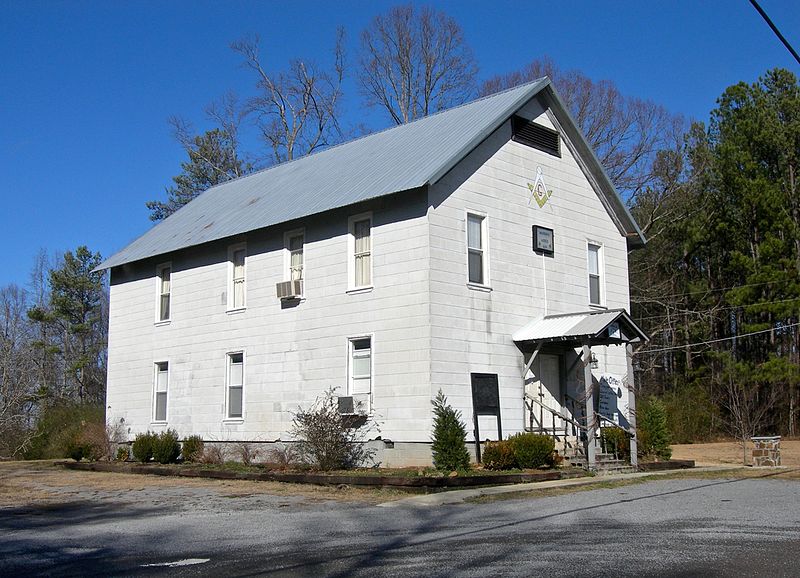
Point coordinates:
[[364, 136]]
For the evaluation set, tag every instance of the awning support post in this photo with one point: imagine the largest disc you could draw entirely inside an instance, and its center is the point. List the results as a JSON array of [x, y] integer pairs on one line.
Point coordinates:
[[632, 406], [591, 444]]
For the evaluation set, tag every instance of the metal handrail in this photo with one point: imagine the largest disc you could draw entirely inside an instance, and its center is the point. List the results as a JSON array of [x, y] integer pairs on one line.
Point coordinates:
[[555, 412]]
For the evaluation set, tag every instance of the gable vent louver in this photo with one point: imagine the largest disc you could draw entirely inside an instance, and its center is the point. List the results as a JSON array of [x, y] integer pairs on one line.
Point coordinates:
[[537, 136]]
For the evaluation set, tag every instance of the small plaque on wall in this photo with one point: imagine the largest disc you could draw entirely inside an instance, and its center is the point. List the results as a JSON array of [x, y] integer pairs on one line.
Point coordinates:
[[543, 240]]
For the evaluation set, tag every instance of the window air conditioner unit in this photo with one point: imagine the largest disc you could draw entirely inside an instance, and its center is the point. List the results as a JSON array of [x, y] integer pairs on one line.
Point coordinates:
[[354, 404], [289, 289]]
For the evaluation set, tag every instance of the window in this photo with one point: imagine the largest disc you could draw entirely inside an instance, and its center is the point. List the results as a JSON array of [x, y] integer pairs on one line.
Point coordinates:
[[236, 286], [360, 378], [235, 385], [161, 387], [476, 249], [164, 275], [594, 274], [294, 247], [361, 251]]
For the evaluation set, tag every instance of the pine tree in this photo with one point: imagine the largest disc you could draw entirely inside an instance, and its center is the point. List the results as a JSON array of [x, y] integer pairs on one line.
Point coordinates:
[[449, 437]]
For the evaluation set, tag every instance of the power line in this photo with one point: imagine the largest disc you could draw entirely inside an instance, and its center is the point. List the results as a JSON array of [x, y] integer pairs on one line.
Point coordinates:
[[775, 30], [706, 291], [710, 311], [714, 340]]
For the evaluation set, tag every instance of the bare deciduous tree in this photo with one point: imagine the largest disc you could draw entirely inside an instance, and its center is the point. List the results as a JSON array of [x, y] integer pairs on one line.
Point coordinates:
[[414, 63], [626, 133], [17, 371], [295, 110]]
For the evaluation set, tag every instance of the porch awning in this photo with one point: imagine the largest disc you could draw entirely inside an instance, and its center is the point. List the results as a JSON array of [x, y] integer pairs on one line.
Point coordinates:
[[607, 327]]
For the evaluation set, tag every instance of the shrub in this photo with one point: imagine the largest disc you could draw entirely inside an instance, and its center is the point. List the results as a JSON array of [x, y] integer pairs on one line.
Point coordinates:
[[212, 455], [652, 428], [616, 441], [166, 447], [143, 446], [499, 456], [533, 450], [246, 452], [123, 453], [59, 430], [449, 437], [282, 456], [192, 449], [328, 440]]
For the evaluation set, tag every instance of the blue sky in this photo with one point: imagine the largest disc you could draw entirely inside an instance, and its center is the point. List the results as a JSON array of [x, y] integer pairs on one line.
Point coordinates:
[[86, 87]]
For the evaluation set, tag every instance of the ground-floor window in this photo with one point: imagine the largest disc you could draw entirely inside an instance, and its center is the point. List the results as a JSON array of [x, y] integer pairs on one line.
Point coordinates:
[[161, 386], [359, 380], [235, 387]]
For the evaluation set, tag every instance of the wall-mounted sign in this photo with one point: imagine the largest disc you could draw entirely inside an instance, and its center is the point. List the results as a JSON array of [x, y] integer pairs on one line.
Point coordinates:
[[543, 240], [539, 191]]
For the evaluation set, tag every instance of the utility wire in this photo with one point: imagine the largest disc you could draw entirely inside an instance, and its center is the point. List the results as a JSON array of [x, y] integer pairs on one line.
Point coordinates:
[[706, 291], [714, 340], [679, 312], [775, 30]]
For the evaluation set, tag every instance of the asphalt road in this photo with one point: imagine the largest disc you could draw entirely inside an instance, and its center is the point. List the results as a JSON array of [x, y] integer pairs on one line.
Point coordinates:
[[748, 527]]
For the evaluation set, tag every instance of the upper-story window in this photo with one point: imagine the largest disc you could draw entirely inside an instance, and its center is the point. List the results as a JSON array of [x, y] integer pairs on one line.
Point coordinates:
[[360, 251], [160, 395], [477, 255], [164, 291], [236, 277], [294, 247], [595, 267]]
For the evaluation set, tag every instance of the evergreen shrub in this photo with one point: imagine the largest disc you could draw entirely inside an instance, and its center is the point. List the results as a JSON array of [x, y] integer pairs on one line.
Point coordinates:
[[143, 446], [616, 441], [498, 456], [533, 450], [653, 431], [166, 447], [193, 449], [449, 437]]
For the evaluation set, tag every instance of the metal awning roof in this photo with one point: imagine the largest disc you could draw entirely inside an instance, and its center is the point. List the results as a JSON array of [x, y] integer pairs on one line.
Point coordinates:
[[607, 327]]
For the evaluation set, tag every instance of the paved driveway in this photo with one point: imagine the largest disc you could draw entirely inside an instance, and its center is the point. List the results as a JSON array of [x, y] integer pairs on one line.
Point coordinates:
[[689, 527]]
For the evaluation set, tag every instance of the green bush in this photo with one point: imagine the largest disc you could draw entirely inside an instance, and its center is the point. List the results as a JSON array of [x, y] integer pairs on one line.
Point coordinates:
[[123, 453], [616, 441], [449, 437], [143, 446], [166, 447], [652, 429], [60, 428], [533, 450], [193, 449], [498, 456]]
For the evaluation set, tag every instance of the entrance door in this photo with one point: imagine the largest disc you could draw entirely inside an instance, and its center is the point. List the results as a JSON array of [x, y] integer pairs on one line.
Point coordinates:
[[547, 389]]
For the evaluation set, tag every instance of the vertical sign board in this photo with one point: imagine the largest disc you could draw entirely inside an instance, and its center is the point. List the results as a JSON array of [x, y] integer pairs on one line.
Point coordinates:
[[485, 401]]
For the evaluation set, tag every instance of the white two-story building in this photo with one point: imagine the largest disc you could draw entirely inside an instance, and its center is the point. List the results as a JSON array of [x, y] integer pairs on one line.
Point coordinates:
[[481, 251]]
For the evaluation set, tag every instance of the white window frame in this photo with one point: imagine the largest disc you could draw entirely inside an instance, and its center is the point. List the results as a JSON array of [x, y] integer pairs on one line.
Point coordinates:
[[351, 252], [232, 249], [600, 274], [287, 254], [228, 362], [350, 350], [156, 372], [159, 279], [486, 282]]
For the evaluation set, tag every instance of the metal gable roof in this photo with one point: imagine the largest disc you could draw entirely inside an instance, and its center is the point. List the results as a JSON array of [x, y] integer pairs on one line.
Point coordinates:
[[578, 326], [405, 157]]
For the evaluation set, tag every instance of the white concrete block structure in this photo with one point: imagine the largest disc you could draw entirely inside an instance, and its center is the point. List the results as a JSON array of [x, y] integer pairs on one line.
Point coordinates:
[[482, 246]]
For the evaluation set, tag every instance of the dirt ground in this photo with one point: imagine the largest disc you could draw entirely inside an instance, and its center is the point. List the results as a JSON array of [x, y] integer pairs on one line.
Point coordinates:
[[731, 453], [43, 482]]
